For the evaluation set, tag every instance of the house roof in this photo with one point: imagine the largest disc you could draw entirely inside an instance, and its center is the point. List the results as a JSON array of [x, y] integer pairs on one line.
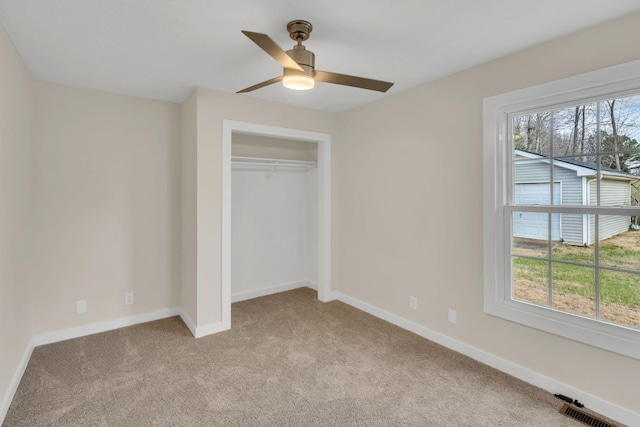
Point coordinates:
[[581, 168]]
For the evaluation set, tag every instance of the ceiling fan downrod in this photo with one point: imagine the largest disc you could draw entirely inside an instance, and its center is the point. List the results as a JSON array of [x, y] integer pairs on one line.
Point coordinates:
[[299, 31]]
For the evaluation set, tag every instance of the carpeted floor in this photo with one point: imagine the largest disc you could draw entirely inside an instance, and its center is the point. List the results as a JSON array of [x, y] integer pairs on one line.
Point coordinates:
[[288, 360]]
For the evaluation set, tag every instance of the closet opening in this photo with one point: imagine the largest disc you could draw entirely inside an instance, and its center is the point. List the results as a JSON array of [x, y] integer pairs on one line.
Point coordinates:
[[275, 212]]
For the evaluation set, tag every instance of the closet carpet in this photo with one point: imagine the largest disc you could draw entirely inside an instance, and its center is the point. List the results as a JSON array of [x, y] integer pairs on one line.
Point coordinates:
[[289, 360]]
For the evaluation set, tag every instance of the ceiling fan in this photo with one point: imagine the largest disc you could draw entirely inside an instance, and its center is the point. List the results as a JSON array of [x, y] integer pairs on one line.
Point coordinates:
[[299, 63]]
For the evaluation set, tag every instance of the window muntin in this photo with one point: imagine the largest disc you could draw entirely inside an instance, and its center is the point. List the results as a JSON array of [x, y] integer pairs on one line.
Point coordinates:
[[505, 256], [591, 148]]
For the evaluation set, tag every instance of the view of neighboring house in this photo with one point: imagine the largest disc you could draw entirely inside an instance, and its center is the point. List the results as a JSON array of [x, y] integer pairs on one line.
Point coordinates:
[[574, 183]]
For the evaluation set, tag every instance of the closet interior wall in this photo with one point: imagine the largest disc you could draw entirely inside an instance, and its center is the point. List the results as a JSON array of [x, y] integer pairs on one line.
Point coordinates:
[[274, 216]]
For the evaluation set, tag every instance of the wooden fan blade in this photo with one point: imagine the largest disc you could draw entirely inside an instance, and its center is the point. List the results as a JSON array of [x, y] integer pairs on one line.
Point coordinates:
[[259, 85], [268, 45], [346, 80]]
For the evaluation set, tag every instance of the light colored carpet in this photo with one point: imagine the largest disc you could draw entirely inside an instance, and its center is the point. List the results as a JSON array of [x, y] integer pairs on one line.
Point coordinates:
[[289, 360]]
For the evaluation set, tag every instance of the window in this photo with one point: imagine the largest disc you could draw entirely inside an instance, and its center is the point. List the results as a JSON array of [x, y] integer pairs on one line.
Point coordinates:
[[561, 190]]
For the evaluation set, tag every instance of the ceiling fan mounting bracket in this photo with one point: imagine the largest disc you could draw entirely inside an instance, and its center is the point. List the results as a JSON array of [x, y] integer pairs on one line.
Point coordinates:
[[299, 29]]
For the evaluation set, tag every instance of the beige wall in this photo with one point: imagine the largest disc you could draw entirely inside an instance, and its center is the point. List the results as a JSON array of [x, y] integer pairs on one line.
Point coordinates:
[[274, 148], [189, 292], [212, 108], [106, 206], [121, 184], [16, 112], [408, 195]]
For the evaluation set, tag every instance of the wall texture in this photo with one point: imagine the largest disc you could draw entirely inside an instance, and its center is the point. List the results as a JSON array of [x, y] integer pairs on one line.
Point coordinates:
[[16, 119], [106, 206], [408, 197]]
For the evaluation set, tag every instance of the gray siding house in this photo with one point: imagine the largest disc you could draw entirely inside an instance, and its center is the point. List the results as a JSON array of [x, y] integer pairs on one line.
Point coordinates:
[[574, 183]]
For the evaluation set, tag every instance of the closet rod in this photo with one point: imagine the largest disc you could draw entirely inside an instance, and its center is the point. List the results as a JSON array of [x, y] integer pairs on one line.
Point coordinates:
[[259, 161]]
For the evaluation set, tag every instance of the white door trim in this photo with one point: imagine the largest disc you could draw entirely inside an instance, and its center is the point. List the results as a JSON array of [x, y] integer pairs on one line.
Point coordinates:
[[324, 202]]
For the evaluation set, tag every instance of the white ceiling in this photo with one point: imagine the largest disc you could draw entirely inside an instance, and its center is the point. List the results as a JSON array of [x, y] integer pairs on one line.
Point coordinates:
[[162, 49]]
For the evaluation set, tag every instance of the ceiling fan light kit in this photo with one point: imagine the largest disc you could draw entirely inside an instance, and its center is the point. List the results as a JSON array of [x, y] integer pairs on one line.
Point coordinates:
[[298, 82], [298, 64]]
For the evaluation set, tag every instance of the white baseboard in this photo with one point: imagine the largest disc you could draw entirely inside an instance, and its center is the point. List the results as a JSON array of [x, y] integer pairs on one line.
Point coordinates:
[[273, 290], [592, 402], [94, 328], [202, 331], [187, 321], [107, 325], [66, 334], [15, 382], [551, 385], [211, 329]]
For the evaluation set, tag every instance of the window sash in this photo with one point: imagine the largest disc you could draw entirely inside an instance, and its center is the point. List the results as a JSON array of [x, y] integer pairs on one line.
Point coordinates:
[[613, 82], [568, 209]]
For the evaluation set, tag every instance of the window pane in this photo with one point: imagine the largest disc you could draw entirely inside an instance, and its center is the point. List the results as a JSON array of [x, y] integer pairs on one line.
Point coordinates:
[[593, 187], [619, 246], [620, 132], [575, 130], [574, 289], [572, 174], [532, 132], [531, 280], [530, 247], [573, 252], [532, 228], [531, 180], [612, 188], [615, 192], [620, 298]]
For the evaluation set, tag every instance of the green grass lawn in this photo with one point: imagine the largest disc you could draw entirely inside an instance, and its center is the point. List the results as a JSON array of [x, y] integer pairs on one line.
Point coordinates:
[[615, 287]]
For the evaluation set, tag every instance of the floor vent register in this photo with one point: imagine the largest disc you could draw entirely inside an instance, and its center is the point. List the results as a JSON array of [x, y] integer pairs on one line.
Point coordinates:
[[583, 417]]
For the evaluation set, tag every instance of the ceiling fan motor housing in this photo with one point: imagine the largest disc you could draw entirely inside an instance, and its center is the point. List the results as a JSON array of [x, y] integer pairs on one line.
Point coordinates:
[[305, 58]]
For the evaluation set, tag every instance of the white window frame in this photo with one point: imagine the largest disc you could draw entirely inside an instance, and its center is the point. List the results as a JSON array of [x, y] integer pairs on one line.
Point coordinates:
[[497, 157]]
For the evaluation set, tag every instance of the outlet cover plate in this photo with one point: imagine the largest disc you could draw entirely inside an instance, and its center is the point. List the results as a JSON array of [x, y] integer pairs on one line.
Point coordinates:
[[452, 316], [128, 298], [81, 307]]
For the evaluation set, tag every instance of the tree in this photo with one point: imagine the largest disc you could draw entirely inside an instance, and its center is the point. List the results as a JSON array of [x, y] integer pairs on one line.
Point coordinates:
[[625, 152], [583, 123], [573, 131], [533, 132], [614, 135]]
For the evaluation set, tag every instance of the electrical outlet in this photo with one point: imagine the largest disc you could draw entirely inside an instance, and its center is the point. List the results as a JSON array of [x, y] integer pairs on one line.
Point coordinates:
[[452, 316], [81, 307], [413, 303], [128, 298]]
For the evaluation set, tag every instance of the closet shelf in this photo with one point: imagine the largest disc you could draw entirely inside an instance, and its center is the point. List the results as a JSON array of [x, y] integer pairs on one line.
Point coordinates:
[[273, 163]]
